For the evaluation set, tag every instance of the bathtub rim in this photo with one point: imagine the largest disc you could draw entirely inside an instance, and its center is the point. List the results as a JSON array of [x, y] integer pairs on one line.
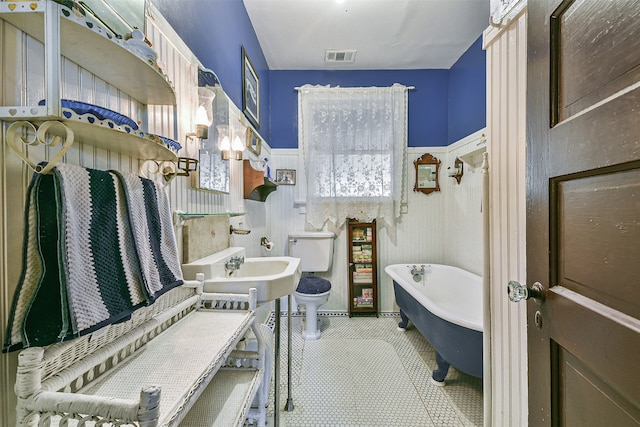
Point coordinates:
[[434, 308]]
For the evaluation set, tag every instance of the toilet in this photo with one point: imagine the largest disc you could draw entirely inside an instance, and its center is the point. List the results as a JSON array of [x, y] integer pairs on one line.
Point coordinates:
[[315, 250]]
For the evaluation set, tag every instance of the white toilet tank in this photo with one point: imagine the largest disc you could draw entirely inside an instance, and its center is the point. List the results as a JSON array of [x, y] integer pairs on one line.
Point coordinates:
[[314, 248]]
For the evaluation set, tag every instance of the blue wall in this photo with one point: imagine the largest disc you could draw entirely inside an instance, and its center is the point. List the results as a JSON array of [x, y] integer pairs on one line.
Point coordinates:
[[467, 93], [445, 106], [215, 31], [427, 103]]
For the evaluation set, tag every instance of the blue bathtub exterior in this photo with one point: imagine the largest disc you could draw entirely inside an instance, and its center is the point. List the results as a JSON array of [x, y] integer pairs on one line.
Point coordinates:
[[454, 344]]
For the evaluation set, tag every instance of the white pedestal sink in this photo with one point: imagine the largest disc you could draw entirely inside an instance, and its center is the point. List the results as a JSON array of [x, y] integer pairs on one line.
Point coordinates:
[[273, 277]]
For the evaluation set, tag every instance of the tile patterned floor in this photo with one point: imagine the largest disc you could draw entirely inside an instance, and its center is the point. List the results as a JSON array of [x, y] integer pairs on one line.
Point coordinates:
[[363, 372]]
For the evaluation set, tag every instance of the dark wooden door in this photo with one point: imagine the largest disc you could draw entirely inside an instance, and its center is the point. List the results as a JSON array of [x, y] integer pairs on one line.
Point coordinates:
[[583, 212]]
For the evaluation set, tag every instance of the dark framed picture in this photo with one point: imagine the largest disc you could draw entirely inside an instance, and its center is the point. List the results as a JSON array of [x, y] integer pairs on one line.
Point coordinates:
[[250, 91], [285, 176]]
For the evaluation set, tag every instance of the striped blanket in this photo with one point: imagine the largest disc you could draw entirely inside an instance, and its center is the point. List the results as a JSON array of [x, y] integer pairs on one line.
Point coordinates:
[[97, 245]]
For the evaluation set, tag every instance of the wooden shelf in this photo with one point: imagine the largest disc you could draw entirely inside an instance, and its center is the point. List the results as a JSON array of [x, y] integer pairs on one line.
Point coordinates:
[[95, 49], [134, 144], [256, 185], [473, 155], [100, 134]]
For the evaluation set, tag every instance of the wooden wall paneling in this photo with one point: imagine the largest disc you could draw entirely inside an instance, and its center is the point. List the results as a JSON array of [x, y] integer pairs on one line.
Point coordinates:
[[33, 82], [506, 133], [463, 219]]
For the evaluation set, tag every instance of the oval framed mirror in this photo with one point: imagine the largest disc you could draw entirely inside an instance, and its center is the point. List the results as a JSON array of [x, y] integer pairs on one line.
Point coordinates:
[[427, 169]]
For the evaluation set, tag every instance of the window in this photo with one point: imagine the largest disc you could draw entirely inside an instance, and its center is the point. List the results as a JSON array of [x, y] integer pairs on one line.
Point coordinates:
[[353, 142]]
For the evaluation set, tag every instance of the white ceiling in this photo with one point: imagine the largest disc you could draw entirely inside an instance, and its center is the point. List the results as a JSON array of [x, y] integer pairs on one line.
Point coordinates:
[[387, 34]]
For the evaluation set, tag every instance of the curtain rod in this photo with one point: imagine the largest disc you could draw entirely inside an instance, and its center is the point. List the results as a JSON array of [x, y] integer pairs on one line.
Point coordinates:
[[298, 88]]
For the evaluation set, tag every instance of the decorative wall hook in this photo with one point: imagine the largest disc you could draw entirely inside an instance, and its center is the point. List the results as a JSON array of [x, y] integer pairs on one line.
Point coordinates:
[[49, 133], [457, 170]]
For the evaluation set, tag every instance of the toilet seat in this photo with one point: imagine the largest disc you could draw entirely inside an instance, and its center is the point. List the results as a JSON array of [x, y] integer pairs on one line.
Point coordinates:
[[312, 292], [302, 296], [313, 285]]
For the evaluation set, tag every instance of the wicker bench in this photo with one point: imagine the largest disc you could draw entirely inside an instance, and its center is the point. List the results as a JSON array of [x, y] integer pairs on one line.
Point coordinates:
[[176, 362]]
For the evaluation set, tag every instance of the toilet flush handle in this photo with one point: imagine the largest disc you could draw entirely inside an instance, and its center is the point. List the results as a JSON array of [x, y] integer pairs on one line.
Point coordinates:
[[291, 241]]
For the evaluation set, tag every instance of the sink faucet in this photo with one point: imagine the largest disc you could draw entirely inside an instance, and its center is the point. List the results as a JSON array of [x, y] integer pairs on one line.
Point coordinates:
[[233, 264]]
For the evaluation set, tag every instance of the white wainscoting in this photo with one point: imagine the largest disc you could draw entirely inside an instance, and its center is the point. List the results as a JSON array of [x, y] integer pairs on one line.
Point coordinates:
[[506, 134], [443, 227]]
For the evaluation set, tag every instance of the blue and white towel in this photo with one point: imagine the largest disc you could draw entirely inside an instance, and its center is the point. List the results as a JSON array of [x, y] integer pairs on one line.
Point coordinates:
[[97, 246]]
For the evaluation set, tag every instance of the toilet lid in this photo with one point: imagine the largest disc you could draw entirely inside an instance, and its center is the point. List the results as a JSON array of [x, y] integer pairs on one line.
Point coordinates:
[[313, 285]]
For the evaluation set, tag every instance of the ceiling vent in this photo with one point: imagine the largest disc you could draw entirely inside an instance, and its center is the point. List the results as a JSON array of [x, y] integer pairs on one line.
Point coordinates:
[[339, 56]]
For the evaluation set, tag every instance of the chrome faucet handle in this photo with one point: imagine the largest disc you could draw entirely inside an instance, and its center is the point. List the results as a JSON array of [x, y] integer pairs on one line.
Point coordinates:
[[233, 263]]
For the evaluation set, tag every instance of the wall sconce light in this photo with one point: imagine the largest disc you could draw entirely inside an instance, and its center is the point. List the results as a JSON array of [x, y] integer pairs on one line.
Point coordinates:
[[202, 125], [229, 142], [457, 170], [237, 146], [204, 114]]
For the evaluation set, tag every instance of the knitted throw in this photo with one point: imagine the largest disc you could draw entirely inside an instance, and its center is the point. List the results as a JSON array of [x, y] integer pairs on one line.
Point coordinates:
[[97, 245]]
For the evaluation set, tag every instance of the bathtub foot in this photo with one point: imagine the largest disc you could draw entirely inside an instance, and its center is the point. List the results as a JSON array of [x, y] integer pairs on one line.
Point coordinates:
[[438, 383], [438, 376], [402, 326]]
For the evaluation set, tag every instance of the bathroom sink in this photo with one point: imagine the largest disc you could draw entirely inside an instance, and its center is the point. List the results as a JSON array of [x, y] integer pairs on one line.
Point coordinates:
[[273, 277]]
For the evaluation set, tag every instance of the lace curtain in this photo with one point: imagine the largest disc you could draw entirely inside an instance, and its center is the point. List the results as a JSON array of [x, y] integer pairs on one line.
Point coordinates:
[[353, 142]]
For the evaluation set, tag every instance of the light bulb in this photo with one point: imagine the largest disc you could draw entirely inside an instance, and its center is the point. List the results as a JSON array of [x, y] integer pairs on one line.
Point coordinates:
[[237, 145], [224, 144], [204, 114], [201, 117], [202, 123]]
